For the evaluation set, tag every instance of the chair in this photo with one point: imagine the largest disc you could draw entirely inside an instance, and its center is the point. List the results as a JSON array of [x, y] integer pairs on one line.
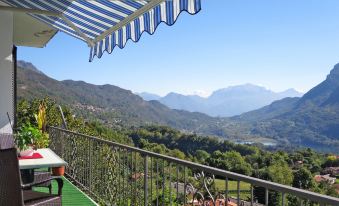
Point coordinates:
[[6, 142], [12, 193]]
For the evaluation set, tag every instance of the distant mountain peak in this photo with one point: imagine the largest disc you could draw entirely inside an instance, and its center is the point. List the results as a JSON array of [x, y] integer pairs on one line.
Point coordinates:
[[324, 93], [291, 92], [334, 74], [172, 93], [243, 87], [148, 96], [226, 102], [28, 65]]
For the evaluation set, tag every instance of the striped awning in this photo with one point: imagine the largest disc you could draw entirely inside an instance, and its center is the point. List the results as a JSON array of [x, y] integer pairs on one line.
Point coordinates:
[[105, 24]]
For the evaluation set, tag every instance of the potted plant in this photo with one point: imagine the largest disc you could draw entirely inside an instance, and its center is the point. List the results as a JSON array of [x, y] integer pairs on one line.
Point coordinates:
[[25, 140], [58, 171]]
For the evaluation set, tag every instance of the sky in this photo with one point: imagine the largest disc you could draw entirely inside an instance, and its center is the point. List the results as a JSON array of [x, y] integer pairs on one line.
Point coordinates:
[[277, 44]]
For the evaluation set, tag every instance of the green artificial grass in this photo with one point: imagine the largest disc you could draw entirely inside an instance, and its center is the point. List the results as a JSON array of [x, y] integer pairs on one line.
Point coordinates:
[[71, 196]]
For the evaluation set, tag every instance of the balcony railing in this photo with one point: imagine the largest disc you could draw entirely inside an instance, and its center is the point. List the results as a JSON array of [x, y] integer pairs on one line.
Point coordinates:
[[116, 174]]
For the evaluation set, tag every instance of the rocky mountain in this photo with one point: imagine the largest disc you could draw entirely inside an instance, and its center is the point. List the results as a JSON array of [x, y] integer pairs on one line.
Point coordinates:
[[192, 103], [312, 120], [226, 102], [28, 66]]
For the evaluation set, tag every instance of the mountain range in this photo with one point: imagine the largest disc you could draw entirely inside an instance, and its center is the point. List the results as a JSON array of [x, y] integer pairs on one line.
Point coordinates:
[[114, 106], [311, 120], [225, 102]]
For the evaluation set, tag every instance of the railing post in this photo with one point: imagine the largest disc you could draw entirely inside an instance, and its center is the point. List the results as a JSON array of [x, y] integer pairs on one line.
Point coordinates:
[[283, 199], [170, 183], [252, 195], [238, 192], [146, 181], [62, 145], [266, 196], [163, 182], [90, 165], [226, 190], [185, 182]]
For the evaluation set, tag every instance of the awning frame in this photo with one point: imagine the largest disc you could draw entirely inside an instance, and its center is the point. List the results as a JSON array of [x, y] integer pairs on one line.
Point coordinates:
[[117, 25], [89, 42]]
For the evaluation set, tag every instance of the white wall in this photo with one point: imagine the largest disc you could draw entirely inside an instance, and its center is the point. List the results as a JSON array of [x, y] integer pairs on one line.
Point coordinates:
[[6, 71]]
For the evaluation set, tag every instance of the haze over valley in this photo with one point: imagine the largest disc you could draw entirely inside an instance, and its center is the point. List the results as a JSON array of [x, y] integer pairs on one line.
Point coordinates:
[[225, 102]]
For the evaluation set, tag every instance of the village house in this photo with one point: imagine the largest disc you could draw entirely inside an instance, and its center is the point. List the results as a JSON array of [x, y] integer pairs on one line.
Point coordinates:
[[325, 178], [333, 171]]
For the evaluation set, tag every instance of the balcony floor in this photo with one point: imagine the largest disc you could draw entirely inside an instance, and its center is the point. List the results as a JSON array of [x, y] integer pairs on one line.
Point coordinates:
[[71, 195]]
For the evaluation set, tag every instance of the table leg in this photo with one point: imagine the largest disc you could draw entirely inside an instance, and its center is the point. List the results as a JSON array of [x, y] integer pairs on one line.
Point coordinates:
[[27, 176]]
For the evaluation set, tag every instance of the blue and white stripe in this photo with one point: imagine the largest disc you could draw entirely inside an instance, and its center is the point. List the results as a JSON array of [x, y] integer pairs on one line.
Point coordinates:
[[93, 18]]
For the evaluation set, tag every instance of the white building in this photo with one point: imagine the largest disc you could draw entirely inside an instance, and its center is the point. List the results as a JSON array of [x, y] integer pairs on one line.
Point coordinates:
[[17, 29]]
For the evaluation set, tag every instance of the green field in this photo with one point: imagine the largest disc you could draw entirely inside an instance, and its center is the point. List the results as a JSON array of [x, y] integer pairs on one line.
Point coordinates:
[[232, 186]]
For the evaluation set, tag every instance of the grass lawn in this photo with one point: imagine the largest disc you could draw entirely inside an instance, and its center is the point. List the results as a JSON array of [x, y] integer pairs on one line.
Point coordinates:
[[232, 185], [70, 194]]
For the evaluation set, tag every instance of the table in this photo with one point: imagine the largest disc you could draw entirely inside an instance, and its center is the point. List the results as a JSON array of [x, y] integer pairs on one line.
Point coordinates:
[[50, 159]]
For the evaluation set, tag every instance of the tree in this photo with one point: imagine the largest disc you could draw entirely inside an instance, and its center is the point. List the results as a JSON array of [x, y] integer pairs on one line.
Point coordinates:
[[232, 161], [303, 179], [202, 156], [177, 154], [331, 161], [279, 172]]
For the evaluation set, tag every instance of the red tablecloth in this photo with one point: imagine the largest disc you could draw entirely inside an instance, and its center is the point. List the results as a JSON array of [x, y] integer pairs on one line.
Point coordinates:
[[35, 155]]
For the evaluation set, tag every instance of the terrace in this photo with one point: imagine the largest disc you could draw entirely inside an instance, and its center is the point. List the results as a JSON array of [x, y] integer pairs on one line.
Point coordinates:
[[71, 194], [111, 173], [116, 174]]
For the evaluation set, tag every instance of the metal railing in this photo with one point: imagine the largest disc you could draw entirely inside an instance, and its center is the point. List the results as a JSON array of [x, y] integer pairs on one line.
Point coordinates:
[[117, 174]]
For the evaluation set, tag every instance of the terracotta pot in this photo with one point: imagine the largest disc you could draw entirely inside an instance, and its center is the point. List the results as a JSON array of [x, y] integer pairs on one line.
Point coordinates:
[[58, 171]]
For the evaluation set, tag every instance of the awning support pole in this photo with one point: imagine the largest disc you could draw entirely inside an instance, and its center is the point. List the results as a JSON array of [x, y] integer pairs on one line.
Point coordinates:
[[75, 28], [15, 88]]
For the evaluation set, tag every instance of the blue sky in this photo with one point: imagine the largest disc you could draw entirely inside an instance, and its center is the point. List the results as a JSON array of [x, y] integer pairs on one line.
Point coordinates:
[[279, 44]]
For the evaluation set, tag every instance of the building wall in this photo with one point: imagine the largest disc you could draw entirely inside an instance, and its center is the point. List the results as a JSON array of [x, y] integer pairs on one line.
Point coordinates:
[[6, 71]]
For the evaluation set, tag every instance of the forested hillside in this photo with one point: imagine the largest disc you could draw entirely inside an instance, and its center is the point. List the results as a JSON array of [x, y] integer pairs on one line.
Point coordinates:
[[114, 106], [311, 121], [296, 168]]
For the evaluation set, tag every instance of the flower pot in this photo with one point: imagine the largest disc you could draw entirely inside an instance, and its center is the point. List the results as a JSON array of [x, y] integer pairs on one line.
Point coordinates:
[[58, 171], [27, 152]]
